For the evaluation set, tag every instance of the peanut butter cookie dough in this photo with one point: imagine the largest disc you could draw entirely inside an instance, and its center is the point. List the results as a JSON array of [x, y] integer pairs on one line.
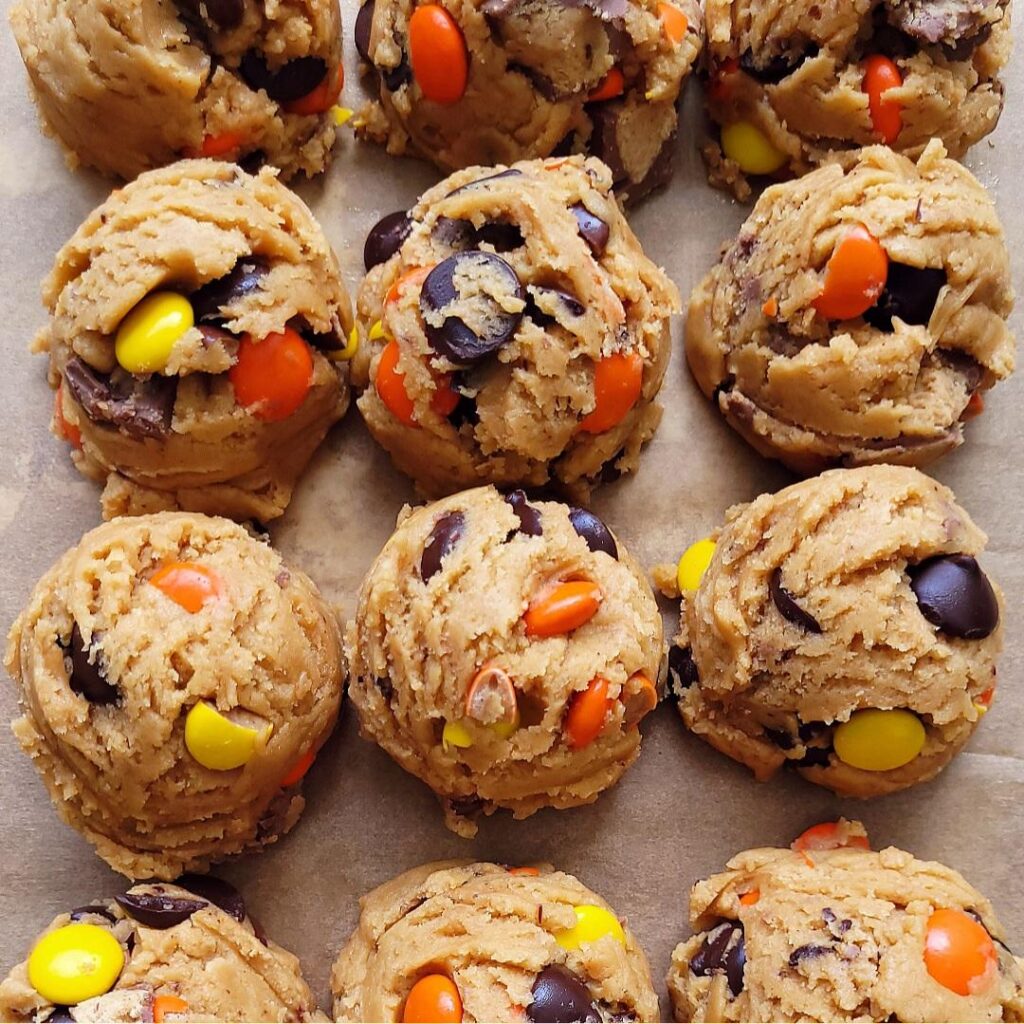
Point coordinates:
[[796, 82], [513, 331], [832, 931], [843, 627], [469, 82], [197, 340], [504, 651], [176, 679], [859, 316], [181, 952], [129, 85], [482, 942]]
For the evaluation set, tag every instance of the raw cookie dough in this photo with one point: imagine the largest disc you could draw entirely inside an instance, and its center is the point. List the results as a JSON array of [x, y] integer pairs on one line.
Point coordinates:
[[841, 934], [224, 416], [507, 938], [129, 85], [795, 82], [509, 298], [176, 679], [856, 590], [893, 383], [190, 951], [543, 76], [503, 651]]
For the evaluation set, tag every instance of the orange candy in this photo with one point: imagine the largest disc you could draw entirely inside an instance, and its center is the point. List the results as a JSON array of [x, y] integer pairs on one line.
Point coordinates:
[[162, 1005], [618, 379], [880, 75], [673, 21], [987, 697], [613, 84], [830, 835], [272, 377], [390, 385], [640, 697], [855, 276], [322, 98], [188, 584], [219, 145], [958, 952], [68, 431], [527, 871], [433, 1000], [297, 772], [587, 713], [720, 83], [748, 899], [562, 608], [975, 407], [437, 50], [416, 276]]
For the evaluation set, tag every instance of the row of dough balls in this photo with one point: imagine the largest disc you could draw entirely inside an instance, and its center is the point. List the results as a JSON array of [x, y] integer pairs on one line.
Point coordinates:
[[177, 679], [132, 86], [511, 330], [826, 930]]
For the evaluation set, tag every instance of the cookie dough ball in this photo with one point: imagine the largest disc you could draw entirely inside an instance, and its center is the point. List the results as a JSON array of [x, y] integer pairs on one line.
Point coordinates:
[[493, 81], [129, 85], [832, 931], [859, 316], [197, 341], [504, 650], [795, 82], [490, 943], [176, 679], [845, 628], [181, 952], [513, 331]]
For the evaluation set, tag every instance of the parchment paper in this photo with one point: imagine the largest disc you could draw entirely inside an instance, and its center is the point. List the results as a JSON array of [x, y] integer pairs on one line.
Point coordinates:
[[683, 809]]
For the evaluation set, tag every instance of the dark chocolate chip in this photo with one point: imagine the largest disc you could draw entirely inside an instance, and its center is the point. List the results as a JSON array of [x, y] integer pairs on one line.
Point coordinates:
[[364, 26], [510, 172], [722, 951], [500, 236], [60, 1015], [225, 14], [157, 911], [955, 595], [780, 738], [593, 531], [394, 78], [211, 336], [788, 607], [809, 730], [808, 952], [736, 964], [141, 408], [492, 327], [88, 677], [559, 997], [384, 686], [466, 806], [604, 139], [215, 890], [594, 231], [569, 303], [681, 670], [296, 78], [529, 517], [910, 294], [386, 238], [252, 161], [244, 278], [465, 412], [92, 910], [775, 69], [816, 757], [447, 532]]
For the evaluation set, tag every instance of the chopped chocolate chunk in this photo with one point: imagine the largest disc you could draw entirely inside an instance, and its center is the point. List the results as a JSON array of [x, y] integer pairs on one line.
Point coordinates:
[[787, 606], [723, 951], [88, 676], [530, 522], [808, 952], [218, 892], [773, 69], [140, 407], [910, 294], [447, 532], [291, 81], [594, 231], [682, 672], [154, 910], [244, 278]]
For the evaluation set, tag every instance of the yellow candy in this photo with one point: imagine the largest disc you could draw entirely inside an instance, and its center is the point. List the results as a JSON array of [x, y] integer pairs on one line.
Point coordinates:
[[147, 334], [694, 563], [455, 735], [342, 354], [377, 331], [75, 963], [341, 115], [216, 742], [878, 741], [592, 923], [750, 148]]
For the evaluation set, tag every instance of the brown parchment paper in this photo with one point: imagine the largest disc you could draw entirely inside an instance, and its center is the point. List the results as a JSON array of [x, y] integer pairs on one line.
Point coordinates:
[[683, 810]]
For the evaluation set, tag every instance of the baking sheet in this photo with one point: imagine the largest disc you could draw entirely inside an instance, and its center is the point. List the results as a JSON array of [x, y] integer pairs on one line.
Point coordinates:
[[682, 810]]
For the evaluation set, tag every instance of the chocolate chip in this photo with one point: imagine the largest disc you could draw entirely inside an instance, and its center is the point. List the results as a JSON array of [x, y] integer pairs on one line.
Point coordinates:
[[465, 411], [60, 1015], [296, 78], [92, 910], [364, 26], [910, 294], [447, 532], [386, 238], [788, 607], [215, 890], [808, 952], [88, 673], [816, 757], [559, 997], [529, 517], [594, 231], [780, 738], [510, 172], [722, 951], [141, 408], [682, 671], [474, 286], [567, 303], [809, 730], [253, 161], [775, 69], [211, 336], [394, 78], [955, 595], [466, 806], [384, 686], [244, 278], [157, 911], [225, 13], [593, 531], [500, 236]]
